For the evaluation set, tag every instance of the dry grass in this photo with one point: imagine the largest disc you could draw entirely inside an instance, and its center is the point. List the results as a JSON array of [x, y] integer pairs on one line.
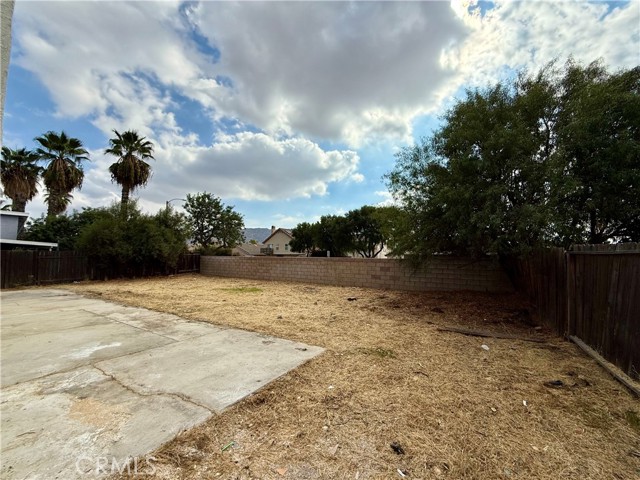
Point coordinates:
[[389, 376]]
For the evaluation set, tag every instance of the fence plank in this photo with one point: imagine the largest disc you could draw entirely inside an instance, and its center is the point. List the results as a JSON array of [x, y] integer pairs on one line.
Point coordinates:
[[594, 295], [607, 317], [31, 267], [542, 277], [18, 267]]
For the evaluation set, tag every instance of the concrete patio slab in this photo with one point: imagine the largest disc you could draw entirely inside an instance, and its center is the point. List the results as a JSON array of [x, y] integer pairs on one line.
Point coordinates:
[[29, 357], [206, 368], [88, 384]]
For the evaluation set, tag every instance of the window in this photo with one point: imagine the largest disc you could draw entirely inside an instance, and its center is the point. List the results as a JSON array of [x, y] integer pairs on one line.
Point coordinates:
[[286, 247], [278, 247]]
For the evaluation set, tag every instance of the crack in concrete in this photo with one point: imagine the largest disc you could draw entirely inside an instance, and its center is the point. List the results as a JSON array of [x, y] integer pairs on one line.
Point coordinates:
[[180, 396], [89, 363], [111, 319], [166, 336]]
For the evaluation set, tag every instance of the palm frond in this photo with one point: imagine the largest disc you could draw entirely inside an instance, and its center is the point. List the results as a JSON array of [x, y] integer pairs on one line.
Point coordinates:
[[63, 172], [130, 170], [19, 174]]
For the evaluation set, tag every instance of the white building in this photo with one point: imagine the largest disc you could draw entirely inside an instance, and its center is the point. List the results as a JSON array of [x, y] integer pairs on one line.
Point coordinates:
[[9, 223]]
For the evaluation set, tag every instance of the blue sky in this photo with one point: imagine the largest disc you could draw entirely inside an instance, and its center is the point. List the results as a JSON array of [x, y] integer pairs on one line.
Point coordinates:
[[287, 110]]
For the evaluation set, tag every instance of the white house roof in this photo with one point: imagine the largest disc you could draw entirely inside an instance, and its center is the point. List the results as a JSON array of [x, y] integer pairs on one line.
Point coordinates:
[[13, 214], [24, 243]]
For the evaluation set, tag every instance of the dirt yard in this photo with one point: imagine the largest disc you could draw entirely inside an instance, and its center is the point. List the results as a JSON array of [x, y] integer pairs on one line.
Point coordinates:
[[451, 408]]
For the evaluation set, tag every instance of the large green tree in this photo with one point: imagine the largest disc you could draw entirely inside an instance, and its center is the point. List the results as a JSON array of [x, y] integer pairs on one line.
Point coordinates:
[[394, 225], [596, 187], [214, 226], [131, 171], [333, 236], [365, 231], [63, 174], [304, 238], [541, 159]]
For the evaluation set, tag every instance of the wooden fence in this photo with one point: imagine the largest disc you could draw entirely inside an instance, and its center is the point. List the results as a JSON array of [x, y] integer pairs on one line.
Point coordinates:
[[591, 292], [31, 267], [542, 277], [603, 307]]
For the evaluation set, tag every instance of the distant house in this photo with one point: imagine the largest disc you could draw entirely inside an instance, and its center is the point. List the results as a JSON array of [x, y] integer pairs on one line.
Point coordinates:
[[278, 242], [9, 223], [248, 249]]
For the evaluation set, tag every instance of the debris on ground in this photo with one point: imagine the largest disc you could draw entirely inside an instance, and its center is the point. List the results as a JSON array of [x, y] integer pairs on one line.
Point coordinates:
[[402, 473], [396, 447], [554, 384], [228, 445], [480, 333], [485, 347], [352, 299], [580, 380]]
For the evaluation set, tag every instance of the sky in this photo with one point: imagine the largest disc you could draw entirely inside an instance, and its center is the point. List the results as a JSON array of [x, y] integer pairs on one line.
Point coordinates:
[[286, 110]]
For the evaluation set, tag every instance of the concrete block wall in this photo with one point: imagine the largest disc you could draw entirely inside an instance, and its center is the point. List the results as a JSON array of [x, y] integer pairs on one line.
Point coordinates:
[[441, 273]]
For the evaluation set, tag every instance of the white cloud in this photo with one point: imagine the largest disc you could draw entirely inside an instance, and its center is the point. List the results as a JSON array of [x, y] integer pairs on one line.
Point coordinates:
[[111, 61], [255, 166], [353, 73], [305, 73], [387, 199], [346, 72], [515, 35]]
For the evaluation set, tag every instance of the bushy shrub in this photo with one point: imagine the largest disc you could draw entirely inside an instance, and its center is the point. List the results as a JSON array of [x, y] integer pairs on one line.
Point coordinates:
[[126, 242]]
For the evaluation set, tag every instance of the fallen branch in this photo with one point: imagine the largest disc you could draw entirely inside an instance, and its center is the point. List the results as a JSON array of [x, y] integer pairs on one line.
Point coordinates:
[[615, 372], [478, 333]]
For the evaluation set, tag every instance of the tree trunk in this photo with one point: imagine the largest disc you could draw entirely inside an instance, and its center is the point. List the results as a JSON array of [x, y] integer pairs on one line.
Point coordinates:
[[125, 196], [51, 210], [18, 204], [55, 202]]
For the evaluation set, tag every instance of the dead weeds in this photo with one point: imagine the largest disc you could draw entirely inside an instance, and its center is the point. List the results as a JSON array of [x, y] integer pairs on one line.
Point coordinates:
[[389, 377]]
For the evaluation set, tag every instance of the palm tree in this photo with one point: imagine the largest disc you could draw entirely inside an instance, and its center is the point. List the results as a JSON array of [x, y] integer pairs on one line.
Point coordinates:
[[130, 170], [64, 172], [19, 174]]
